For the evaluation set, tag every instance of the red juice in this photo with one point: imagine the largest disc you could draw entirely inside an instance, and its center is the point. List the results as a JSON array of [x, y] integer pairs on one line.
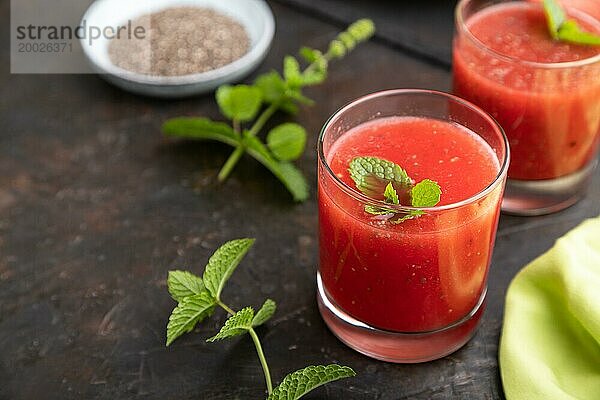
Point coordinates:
[[506, 62], [425, 273]]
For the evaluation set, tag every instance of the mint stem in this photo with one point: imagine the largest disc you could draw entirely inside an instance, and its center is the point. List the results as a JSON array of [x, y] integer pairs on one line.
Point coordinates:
[[264, 117], [259, 350], [241, 148], [225, 307], [263, 360], [231, 162]]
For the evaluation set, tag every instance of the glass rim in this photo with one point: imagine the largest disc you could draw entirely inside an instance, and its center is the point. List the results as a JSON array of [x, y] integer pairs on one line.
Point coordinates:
[[461, 24], [359, 196]]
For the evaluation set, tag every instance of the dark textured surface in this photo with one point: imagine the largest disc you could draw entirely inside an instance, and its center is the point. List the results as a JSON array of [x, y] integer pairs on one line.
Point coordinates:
[[420, 28], [96, 207]]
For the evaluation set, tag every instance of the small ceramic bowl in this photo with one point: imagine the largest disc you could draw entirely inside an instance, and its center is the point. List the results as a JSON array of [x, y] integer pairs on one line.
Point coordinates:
[[254, 15]]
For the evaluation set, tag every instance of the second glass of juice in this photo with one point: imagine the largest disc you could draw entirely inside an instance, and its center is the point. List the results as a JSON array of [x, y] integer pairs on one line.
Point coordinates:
[[411, 291], [544, 92]]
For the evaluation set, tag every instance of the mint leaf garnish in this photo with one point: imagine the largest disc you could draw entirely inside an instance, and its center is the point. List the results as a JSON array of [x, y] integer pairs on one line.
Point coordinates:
[[571, 32], [299, 383], [222, 264], [238, 324], [555, 16], [378, 210], [390, 194], [374, 176], [188, 313], [182, 284], [425, 194], [287, 141], [371, 175], [265, 313], [567, 30]]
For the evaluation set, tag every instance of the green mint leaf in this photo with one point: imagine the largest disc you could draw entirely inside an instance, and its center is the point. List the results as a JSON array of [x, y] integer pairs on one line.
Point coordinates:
[[289, 107], [378, 210], [390, 194], [362, 29], [348, 40], [425, 194], [572, 33], [372, 174], [378, 178], [182, 284], [399, 218], [357, 32], [310, 55], [272, 86], [336, 49], [238, 324], [293, 180], [289, 175], [315, 76], [555, 16], [201, 128], [287, 141], [265, 313], [222, 264], [239, 102], [567, 30], [291, 71], [316, 73], [299, 383], [188, 313]]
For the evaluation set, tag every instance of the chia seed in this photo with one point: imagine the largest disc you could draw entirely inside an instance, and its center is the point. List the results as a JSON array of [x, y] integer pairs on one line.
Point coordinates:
[[181, 41]]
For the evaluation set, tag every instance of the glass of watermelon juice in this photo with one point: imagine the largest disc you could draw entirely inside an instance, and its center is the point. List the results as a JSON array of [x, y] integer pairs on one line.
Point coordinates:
[[545, 93], [415, 290]]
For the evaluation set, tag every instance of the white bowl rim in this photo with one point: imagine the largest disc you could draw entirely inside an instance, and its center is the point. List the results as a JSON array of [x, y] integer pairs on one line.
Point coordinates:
[[255, 53]]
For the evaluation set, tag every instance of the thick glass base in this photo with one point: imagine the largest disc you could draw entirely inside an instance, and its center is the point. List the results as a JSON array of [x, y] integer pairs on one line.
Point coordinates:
[[398, 347], [539, 197]]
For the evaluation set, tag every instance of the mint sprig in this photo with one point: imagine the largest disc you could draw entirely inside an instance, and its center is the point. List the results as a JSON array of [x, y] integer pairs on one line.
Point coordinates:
[[564, 29], [197, 298], [377, 178], [270, 92]]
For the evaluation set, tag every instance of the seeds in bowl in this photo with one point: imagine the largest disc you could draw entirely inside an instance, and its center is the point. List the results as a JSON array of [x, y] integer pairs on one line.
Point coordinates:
[[181, 41]]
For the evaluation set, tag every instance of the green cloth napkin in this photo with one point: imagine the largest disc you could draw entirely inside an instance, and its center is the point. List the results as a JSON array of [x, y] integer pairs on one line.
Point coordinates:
[[550, 345]]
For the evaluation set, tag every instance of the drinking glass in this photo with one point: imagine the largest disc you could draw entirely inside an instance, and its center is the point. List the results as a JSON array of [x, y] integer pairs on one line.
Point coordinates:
[[549, 111], [406, 292]]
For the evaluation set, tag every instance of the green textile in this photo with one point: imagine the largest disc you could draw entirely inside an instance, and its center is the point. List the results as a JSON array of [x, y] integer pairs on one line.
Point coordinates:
[[550, 345]]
